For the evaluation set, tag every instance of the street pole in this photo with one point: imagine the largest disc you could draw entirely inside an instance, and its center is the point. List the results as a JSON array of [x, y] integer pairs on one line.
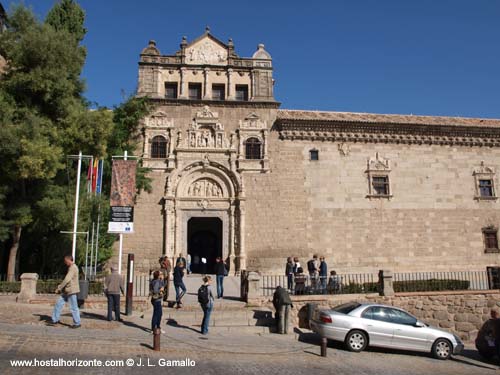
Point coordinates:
[[130, 284], [86, 255], [96, 244], [120, 253], [75, 218]]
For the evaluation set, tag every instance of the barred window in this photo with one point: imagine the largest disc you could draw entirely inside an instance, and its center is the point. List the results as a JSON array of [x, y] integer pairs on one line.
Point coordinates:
[[490, 239], [241, 93], [218, 92], [380, 185], [486, 188], [159, 147], [253, 148], [194, 90]]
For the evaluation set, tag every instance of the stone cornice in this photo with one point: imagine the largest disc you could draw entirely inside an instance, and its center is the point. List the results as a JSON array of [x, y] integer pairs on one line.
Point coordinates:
[[387, 133], [214, 103]]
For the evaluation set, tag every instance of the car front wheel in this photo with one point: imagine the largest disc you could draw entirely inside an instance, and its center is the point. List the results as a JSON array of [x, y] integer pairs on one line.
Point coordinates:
[[442, 349], [356, 341]]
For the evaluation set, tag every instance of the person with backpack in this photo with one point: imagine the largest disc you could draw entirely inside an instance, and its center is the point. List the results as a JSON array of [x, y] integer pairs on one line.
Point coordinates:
[[165, 269], [313, 269], [220, 272], [180, 288], [206, 300]]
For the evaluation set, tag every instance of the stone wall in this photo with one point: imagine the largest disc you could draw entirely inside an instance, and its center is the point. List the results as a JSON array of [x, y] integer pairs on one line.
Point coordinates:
[[462, 313]]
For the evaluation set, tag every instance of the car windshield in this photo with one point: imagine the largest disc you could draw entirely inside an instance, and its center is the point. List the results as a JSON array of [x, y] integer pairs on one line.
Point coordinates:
[[346, 308]]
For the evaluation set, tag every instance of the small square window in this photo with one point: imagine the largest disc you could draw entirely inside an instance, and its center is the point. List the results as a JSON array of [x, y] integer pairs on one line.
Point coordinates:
[[241, 93], [380, 185], [218, 92], [486, 188], [171, 90], [314, 155], [490, 239], [195, 91]]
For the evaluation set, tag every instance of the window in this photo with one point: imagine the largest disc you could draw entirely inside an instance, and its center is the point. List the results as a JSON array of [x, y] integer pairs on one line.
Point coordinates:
[[195, 91], [401, 317], [377, 313], [380, 185], [159, 147], [171, 90], [490, 235], [242, 92], [486, 188], [253, 148], [313, 155], [218, 92], [346, 308]]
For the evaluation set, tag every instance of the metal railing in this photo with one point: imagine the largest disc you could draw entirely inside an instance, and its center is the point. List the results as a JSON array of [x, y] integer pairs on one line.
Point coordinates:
[[441, 281], [302, 284]]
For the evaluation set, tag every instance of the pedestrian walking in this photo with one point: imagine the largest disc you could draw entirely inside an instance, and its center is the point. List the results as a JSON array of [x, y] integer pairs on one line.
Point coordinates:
[[156, 288], [113, 287], [68, 288], [180, 288], [165, 269], [323, 274], [220, 272], [206, 300], [282, 304], [180, 258], [289, 273]]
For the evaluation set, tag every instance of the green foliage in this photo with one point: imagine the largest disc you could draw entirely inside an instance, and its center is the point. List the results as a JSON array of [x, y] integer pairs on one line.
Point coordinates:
[[10, 286], [68, 16], [49, 286], [430, 285]]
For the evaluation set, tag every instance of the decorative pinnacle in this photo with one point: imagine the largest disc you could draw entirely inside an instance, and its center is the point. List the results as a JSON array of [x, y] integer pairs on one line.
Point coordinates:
[[207, 29]]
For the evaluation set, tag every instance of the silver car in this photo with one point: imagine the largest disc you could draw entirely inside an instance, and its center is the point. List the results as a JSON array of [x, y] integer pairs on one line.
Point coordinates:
[[359, 325]]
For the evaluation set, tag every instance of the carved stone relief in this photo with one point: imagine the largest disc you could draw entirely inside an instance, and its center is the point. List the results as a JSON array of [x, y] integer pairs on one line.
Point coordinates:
[[206, 52], [205, 188]]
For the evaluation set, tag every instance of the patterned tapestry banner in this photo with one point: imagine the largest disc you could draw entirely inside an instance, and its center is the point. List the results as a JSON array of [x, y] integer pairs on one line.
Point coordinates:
[[122, 196]]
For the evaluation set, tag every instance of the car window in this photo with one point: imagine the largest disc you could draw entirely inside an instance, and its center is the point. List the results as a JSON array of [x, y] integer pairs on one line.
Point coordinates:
[[400, 317], [377, 313], [346, 308]]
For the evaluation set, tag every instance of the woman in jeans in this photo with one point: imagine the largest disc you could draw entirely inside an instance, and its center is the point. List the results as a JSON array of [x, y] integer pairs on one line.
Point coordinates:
[[206, 307], [156, 292], [180, 288]]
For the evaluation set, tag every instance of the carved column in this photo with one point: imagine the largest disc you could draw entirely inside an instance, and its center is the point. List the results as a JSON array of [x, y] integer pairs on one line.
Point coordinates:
[[207, 92], [253, 84], [178, 228], [264, 136], [230, 95], [158, 81], [183, 93], [242, 254], [231, 238], [240, 146]]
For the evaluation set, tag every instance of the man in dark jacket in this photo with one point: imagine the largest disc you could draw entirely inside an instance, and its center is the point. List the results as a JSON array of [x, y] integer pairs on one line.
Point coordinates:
[[282, 303], [113, 286], [323, 274], [220, 272]]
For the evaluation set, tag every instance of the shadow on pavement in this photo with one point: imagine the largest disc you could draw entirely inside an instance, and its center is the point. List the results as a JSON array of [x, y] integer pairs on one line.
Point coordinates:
[[173, 323], [147, 346], [473, 358], [48, 319], [94, 316]]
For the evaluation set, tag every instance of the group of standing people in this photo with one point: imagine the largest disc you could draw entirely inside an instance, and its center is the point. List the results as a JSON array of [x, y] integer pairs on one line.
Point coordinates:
[[160, 284], [317, 269]]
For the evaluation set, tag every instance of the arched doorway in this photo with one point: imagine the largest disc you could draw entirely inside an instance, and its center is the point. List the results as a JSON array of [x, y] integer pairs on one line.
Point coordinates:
[[204, 241]]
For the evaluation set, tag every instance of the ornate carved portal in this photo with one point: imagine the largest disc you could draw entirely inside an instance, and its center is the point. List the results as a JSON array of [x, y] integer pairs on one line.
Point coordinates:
[[206, 189]]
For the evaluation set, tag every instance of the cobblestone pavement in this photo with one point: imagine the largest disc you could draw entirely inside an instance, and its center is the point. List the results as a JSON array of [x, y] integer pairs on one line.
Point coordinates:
[[24, 335]]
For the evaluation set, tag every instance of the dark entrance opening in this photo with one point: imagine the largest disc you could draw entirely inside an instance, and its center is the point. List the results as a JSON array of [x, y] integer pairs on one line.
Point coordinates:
[[204, 241]]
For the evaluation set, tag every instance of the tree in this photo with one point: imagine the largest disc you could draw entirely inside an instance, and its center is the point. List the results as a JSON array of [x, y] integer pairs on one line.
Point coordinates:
[[43, 114]]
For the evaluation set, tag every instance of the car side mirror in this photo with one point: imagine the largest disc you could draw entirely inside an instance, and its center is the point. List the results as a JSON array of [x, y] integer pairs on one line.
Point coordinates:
[[419, 324]]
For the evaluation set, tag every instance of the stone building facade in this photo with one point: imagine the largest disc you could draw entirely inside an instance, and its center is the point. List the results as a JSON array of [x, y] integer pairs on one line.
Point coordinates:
[[237, 177]]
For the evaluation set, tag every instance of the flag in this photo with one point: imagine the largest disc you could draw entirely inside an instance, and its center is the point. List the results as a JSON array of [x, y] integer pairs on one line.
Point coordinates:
[[94, 175], [89, 177], [100, 171]]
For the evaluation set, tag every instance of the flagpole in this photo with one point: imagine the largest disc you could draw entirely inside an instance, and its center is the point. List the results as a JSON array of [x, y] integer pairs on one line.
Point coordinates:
[[75, 217], [120, 254]]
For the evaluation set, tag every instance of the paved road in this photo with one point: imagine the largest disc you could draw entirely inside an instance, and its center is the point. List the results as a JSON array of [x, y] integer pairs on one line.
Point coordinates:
[[24, 336]]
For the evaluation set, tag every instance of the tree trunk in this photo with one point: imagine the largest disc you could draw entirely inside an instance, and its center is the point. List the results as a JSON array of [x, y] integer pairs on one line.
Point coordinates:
[[16, 237]]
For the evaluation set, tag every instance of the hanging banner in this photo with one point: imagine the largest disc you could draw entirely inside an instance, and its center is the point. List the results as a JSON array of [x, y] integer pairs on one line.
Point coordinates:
[[122, 196]]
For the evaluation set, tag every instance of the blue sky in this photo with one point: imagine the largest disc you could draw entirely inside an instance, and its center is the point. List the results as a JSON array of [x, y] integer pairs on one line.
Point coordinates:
[[386, 56]]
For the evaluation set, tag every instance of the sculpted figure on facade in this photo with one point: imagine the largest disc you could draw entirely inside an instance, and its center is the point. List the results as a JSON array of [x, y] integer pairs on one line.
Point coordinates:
[[205, 188]]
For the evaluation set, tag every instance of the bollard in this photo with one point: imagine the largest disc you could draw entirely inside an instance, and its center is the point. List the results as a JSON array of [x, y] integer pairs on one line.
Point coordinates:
[[156, 339], [324, 344]]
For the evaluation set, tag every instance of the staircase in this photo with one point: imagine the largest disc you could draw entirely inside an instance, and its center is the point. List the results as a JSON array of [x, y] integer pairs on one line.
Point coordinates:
[[228, 315]]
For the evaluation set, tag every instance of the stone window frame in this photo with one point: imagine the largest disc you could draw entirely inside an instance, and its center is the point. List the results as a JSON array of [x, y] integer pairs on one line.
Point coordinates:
[[313, 151], [221, 88], [490, 230], [484, 173], [199, 87], [173, 85], [153, 151], [378, 167], [237, 90]]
